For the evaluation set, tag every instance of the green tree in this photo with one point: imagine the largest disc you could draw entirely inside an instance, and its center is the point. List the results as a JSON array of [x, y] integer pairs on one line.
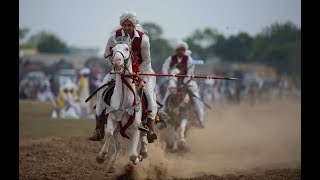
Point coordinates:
[[153, 30], [160, 48], [201, 42], [23, 43], [48, 43], [235, 48], [23, 32], [279, 45]]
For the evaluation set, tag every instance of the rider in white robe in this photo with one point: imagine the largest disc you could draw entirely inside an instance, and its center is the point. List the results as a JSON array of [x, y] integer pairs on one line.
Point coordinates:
[[182, 51], [133, 30]]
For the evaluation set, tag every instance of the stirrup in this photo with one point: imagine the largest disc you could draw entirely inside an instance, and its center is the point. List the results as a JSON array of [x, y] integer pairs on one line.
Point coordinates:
[[152, 137], [143, 128]]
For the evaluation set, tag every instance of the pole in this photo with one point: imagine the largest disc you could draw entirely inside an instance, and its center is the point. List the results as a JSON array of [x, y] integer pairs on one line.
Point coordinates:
[[181, 76]]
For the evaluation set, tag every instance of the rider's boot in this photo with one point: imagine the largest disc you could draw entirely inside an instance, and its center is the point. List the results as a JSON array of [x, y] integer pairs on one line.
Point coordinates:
[[151, 135], [98, 133], [143, 127]]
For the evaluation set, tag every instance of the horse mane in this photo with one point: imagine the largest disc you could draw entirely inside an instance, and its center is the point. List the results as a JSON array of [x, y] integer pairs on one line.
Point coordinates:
[[121, 40]]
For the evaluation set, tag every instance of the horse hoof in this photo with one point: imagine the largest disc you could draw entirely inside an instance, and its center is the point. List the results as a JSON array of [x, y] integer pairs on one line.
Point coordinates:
[[134, 159], [140, 158], [144, 155], [151, 138], [182, 144], [111, 170], [174, 150], [99, 160]]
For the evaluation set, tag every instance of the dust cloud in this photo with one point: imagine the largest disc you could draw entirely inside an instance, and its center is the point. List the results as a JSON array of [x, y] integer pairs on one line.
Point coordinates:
[[236, 138]]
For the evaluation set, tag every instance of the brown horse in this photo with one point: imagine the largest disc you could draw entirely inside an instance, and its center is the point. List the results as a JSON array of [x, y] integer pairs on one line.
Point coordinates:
[[179, 107]]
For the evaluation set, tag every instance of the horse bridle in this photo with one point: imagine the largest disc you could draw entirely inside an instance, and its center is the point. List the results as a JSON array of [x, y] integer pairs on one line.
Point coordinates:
[[126, 60], [112, 54]]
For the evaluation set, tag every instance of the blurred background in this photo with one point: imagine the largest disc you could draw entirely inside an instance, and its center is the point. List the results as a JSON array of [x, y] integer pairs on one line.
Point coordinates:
[[258, 41], [252, 40]]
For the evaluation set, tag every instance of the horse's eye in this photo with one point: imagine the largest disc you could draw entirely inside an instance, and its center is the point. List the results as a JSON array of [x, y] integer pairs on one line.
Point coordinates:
[[127, 49]]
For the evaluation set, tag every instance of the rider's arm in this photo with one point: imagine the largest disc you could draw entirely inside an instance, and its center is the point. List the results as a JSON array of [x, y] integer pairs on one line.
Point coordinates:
[[145, 66], [190, 69], [190, 66]]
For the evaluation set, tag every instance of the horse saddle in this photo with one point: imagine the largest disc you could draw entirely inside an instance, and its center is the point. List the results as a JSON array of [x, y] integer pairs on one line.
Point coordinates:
[[107, 109]]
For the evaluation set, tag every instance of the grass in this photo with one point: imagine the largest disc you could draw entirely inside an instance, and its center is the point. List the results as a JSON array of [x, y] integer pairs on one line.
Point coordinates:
[[35, 122]]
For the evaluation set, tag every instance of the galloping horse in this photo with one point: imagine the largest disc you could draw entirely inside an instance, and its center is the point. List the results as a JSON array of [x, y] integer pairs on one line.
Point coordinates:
[[123, 108], [179, 109]]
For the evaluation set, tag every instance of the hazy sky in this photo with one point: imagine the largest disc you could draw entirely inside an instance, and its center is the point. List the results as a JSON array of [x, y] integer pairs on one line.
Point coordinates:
[[88, 23]]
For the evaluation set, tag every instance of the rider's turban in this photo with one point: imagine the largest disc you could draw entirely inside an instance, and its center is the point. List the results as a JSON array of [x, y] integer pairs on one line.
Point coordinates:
[[129, 15], [84, 71], [182, 44]]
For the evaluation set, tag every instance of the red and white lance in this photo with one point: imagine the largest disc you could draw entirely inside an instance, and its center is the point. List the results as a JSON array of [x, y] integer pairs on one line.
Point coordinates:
[[164, 75], [181, 76]]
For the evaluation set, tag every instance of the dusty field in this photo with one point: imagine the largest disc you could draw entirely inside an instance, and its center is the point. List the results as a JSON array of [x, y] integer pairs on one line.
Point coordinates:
[[239, 142]]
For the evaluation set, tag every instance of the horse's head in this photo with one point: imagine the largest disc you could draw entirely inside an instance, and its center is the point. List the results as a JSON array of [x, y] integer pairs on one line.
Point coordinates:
[[121, 55], [173, 81]]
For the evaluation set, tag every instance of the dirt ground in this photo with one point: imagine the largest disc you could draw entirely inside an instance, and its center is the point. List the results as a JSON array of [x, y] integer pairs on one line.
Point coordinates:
[[238, 142]]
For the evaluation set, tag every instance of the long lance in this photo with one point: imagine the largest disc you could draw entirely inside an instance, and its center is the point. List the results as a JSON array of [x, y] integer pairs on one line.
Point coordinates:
[[182, 76]]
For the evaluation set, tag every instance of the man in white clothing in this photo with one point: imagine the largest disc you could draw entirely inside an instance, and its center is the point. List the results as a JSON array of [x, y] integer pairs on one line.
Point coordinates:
[[83, 84], [183, 61], [140, 46]]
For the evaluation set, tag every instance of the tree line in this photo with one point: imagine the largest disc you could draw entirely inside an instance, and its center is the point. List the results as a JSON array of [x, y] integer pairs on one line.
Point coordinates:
[[277, 45]]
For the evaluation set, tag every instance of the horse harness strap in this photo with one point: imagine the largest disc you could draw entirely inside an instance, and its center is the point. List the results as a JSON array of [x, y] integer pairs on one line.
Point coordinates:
[[126, 60], [109, 84], [120, 112]]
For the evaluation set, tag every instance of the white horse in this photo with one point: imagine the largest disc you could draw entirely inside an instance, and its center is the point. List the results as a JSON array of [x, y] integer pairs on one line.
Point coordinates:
[[179, 109], [125, 106]]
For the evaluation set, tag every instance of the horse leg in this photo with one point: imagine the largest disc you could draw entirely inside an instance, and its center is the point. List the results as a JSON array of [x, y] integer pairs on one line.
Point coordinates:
[[118, 148], [108, 134], [175, 139], [183, 124], [144, 144], [134, 157]]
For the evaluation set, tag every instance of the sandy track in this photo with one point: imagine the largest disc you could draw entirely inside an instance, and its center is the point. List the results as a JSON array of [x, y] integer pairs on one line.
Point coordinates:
[[239, 142]]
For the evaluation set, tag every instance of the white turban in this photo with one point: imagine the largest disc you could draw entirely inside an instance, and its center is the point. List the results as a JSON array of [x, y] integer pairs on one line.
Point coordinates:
[[85, 71], [129, 15], [182, 44]]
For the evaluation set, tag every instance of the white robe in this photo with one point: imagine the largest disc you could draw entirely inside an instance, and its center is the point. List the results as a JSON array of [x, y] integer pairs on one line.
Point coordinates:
[[145, 67], [192, 85]]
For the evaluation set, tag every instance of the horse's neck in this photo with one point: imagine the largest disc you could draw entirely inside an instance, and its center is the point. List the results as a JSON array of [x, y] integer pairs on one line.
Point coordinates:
[[122, 95]]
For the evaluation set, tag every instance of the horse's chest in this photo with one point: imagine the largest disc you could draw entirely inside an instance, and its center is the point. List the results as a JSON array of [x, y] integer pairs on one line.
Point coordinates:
[[177, 106]]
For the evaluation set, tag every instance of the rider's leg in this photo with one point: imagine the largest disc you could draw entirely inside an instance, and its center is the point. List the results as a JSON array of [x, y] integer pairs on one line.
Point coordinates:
[[164, 100], [152, 106], [198, 104], [98, 133]]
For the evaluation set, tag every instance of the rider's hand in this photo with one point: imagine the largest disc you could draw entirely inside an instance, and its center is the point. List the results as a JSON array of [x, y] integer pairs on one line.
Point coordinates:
[[140, 83], [135, 77]]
